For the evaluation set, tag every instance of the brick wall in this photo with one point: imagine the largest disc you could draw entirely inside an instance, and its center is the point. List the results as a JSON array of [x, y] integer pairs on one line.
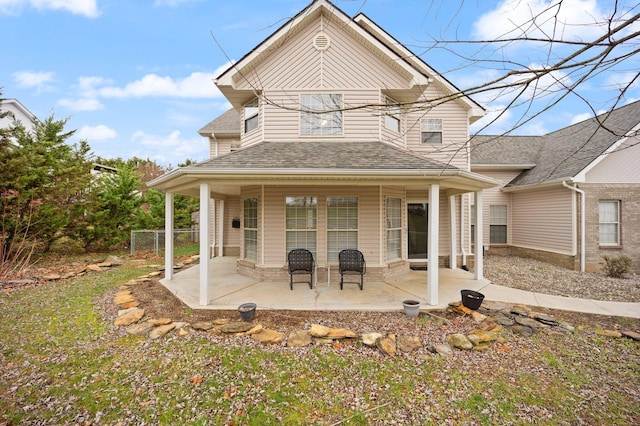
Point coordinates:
[[629, 197]]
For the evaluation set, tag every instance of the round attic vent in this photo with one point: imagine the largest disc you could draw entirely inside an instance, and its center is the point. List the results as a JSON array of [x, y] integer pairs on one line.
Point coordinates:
[[321, 41]]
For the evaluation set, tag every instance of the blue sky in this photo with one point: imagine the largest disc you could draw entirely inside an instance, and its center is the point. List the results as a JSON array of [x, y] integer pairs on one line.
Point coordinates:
[[135, 77]]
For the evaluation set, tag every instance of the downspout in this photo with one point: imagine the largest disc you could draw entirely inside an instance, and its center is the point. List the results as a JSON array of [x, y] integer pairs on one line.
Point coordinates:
[[582, 222]]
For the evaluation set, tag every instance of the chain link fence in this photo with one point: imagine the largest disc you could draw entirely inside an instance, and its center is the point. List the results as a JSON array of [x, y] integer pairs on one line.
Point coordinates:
[[152, 240]]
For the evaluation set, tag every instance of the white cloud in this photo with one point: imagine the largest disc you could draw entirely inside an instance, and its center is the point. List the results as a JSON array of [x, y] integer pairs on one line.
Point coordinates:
[[31, 79], [196, 85], [567, 20], [173, 3], [495, 122], [82, 104], [170, 148], [88, 8], [620, 80], [96, 133]]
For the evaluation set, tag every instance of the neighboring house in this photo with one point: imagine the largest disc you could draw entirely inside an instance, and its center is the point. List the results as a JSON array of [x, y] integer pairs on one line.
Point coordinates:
[[567, 197], [339, 147], [17, 112]]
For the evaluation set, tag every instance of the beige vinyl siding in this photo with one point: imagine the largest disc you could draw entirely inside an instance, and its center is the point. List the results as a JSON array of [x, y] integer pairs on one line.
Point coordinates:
[[274, 226], [494, 196], [621, 166], [283, 124], [346, 63], [544, 220], [223, 146], [454, 131]]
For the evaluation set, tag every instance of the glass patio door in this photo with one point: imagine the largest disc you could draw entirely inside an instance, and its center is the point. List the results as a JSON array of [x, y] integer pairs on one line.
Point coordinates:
[[417, 219]]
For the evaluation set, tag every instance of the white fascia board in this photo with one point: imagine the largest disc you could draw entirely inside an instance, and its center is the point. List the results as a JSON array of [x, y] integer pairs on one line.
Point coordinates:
[[555, 182], [514, 166]]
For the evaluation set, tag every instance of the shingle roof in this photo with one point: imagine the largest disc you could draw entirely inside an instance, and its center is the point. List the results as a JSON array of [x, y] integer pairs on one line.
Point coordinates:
[[323, 155], [558, 155], [228, 124]]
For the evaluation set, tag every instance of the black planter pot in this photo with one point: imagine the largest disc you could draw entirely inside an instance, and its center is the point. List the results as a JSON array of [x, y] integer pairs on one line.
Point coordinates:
[[471, 299], [247, 311]]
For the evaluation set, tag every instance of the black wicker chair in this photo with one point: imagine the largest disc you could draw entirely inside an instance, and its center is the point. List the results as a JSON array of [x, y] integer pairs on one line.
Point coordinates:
[[301, 263], [352, 263]]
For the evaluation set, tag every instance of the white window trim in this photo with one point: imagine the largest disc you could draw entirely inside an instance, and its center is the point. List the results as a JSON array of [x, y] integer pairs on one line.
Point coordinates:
[[493, 221], [617, 243], [328, 231], [251, 111], [313, 250], [425, 123], [246, 228], [340, 111], [392, 112], [393, 228]]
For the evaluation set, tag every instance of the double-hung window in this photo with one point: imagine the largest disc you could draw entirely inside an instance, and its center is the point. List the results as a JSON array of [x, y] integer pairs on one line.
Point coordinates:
[[431, 130], [394, 228], [250, 207], [498, 224], [609, 222], [392, 116], [342, 225], [321, 114], [251, 119], [301, 223]]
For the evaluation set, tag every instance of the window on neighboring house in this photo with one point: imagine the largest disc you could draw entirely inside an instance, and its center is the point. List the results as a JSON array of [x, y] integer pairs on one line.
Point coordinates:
[[392, 116], [609, 222], [394, 228], [251, 119], [431, 130], [321, 114], [301, 223], [342, 225], [251, 228], [473, 224], [498, 224]]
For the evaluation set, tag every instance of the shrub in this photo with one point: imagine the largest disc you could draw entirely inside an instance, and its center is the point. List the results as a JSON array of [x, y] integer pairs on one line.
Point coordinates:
[[616, 267], [66, 245]]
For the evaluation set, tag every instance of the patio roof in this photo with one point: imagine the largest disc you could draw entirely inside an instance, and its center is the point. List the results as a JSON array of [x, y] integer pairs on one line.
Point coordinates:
[[333, 163]]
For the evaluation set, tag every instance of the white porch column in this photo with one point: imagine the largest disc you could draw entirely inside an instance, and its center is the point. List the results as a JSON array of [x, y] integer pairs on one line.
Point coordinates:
[[453, 255], [432, 244], [479, 266], [204, 243], [168, 235], [221, 229]]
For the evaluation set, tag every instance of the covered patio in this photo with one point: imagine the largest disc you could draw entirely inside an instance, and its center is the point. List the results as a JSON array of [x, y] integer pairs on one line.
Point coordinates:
[[228, 289]]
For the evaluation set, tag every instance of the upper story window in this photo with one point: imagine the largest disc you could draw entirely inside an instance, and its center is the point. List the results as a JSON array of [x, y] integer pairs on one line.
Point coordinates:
[[321, 114], [251, 119], [609, 222], [392, 116], [431, 130]]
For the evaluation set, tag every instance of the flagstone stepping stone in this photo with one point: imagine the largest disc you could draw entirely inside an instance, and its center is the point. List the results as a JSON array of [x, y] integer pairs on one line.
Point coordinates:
[[444, 350], [105, 264], [298, 338], [94, 268], [68, 275], [220, 321], [155, 274], [522, 330], [51, 277], [160, 321], [545, 319], [477, 316], [528, 322], [268, 336], [317, 330], [131, 304], [631, 335], [408, 343], [236, 327], [459, 341], [182, 332], [140, 329], [161, 330], [202, 325], [341, 333], [387, 344], [519, 310], [369, 339], [132, 315], [609, 333]]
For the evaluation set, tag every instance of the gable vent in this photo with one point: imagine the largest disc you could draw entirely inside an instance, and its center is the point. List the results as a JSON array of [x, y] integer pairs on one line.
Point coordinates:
[[321, 41]]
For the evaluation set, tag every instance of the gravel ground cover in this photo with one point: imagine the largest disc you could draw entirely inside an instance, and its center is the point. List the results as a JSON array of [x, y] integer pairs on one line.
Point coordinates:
[[541, 277], [62, 361]]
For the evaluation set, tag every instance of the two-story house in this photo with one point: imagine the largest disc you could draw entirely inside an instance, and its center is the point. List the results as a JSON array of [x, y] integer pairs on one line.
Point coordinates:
[[339, 137]]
